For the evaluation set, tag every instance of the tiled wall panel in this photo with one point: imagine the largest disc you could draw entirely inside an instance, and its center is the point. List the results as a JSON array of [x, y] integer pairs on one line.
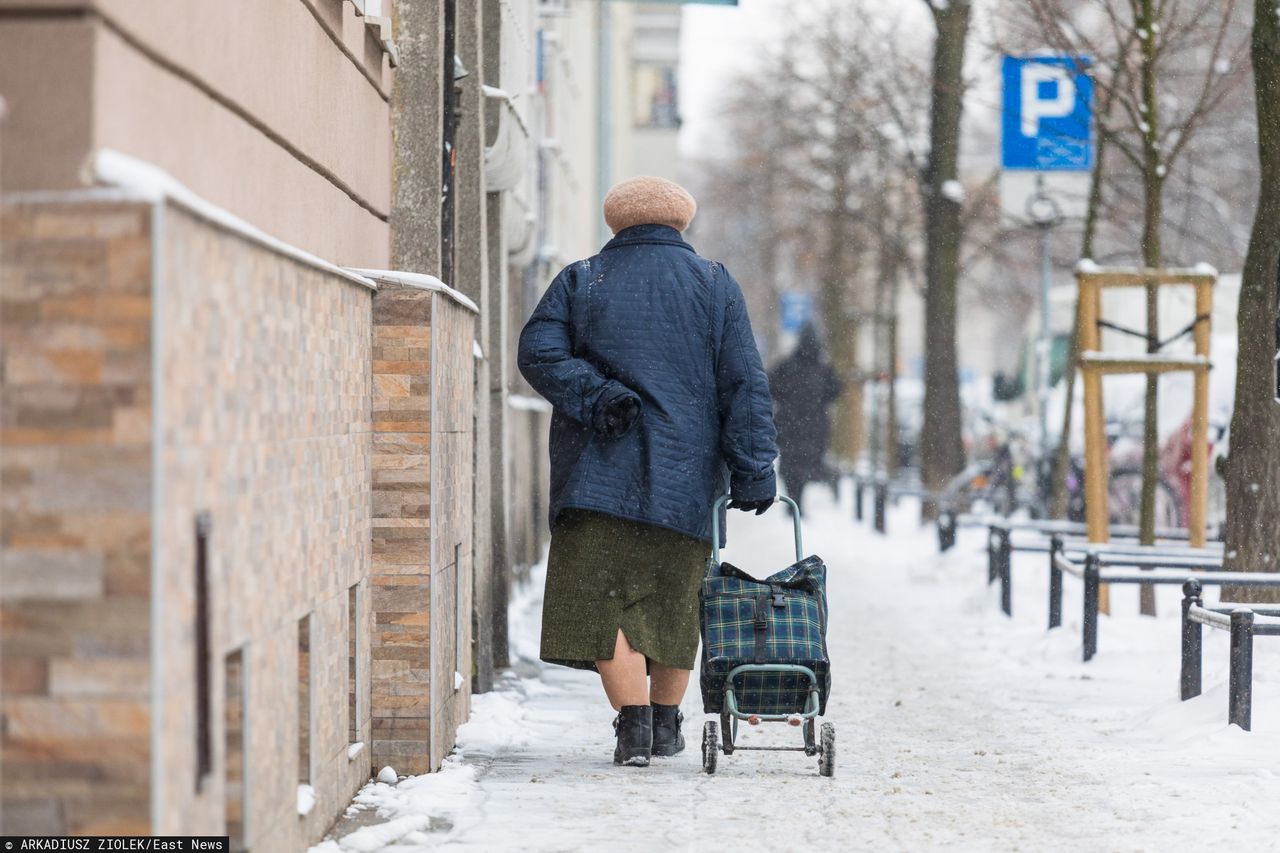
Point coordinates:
[[263, 423], [75, 500]]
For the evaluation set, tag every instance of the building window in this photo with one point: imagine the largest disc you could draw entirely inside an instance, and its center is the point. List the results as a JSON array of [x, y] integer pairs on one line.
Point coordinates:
[[304, 700], [353, 663], [204, 732], [655, 96], [460, 621], [233, 719]]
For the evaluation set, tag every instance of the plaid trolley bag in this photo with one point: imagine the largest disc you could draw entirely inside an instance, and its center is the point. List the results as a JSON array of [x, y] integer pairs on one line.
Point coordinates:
[[764, 648]]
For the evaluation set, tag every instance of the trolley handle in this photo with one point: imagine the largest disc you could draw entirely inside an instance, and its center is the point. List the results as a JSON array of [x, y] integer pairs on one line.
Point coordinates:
[[715, 525]]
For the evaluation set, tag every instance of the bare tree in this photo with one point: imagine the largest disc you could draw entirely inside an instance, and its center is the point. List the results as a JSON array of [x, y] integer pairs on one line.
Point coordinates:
[[1253, 466], [1163, 71]]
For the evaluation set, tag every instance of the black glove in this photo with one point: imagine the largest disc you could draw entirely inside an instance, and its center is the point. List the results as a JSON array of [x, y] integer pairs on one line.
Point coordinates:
[[761, 507], [621, 415]]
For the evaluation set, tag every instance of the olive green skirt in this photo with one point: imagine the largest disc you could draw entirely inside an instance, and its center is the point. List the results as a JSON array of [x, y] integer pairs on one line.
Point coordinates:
[[606, 573]]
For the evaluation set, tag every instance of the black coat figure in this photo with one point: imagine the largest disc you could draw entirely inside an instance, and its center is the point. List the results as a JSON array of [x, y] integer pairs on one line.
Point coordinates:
[[804, 386]]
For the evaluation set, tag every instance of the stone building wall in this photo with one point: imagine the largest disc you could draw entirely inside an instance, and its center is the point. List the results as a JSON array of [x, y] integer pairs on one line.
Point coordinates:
[[237, 524], [263, 426], [75, 473], [278, 112], [530, 425]]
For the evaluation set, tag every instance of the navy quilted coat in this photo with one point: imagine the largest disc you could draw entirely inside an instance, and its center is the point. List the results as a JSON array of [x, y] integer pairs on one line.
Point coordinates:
[[649, 317]]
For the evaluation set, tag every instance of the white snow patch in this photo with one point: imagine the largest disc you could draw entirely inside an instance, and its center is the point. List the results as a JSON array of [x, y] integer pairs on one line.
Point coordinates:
[[355, 749], [458, 680], [980, 715], [306, 799], [369, 839], [1086, 266], [387, 775], [953, 191]]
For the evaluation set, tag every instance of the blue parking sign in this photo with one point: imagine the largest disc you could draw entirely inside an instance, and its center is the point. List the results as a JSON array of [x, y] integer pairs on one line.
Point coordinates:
[[1047, 115], [797, 311]]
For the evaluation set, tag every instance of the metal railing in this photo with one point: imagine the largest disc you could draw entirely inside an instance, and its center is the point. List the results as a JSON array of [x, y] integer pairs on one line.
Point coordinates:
[[882, 489], [1001, 544], [949, 522], [1099, 568], [1244, 622]]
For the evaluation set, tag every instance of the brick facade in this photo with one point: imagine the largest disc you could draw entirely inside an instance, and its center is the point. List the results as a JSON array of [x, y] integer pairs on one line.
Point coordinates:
[[207, 440], [423, 393]]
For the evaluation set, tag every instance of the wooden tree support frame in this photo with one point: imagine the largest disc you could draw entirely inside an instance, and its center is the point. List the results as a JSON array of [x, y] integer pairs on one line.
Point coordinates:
[[1094, 364]]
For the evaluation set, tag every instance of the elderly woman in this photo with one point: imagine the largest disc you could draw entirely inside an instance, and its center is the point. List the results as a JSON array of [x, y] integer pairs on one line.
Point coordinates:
[[660, 403]]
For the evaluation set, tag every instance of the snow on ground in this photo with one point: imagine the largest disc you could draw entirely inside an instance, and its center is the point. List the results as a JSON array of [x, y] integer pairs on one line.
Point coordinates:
[[957, 729]]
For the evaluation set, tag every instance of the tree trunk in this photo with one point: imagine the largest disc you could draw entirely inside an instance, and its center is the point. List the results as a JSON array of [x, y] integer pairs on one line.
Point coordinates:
[[941, 448], [1152, 219], [842, 331], [1253, 467]]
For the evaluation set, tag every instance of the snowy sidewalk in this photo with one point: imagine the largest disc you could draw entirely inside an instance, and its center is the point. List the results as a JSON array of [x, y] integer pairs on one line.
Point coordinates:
[[957, 729]]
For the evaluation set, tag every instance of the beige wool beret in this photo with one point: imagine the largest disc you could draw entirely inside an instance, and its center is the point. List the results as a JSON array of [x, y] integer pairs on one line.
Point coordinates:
[[648, 201]]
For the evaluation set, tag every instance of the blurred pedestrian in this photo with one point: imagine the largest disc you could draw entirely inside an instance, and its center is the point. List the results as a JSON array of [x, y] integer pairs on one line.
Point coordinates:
[[804, 386], [660, 399]]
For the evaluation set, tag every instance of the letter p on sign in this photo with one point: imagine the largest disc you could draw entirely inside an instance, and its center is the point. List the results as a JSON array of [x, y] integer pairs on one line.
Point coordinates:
[[1048, 91]]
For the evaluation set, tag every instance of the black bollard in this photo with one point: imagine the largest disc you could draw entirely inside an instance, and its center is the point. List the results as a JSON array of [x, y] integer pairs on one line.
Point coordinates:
[[1005, 555], [1192, 635], [857, 498], [1240, 709], [994, 537], [1055, 582], [946, 530], [882, 495], [1091, 584], [1006, 575]]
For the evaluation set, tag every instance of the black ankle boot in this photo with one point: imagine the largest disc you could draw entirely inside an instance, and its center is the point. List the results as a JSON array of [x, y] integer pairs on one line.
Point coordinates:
[[634, 729], [667, 740]]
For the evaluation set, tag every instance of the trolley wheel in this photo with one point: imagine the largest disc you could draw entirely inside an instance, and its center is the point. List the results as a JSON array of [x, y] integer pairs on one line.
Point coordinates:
[[827, 756], [710, 747], [810, 738]]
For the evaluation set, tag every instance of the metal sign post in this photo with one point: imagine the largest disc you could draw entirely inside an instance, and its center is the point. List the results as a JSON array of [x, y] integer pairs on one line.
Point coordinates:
[[1046, 131]]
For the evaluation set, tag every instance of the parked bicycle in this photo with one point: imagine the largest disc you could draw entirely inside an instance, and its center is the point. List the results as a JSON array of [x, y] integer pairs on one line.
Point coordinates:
[[1014, 478]]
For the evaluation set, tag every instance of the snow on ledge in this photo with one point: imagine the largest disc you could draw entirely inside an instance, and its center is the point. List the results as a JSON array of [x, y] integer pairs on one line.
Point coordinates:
[[420, 281], [1087, 266], [151, 183], [525, 403], [1145, 358], [355, 749]]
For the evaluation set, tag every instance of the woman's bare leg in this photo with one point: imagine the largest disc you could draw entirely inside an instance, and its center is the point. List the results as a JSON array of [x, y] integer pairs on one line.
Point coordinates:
[[624, 675], [667, 685]]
